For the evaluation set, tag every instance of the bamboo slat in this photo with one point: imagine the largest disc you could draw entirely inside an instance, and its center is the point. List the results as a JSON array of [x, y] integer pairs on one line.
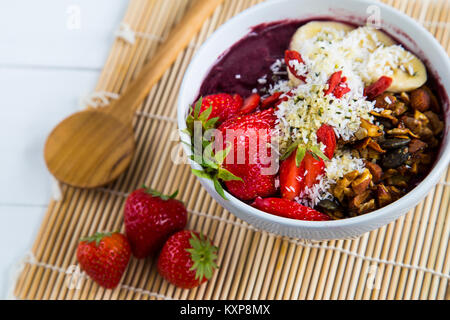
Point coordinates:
[[407, 259]]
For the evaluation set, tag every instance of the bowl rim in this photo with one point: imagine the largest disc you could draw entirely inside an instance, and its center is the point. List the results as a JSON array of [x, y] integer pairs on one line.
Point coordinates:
[[405, 202]]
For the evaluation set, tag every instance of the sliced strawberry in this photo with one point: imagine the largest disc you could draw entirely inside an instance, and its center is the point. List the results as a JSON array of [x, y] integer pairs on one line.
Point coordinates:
[[238, 99], [291, 55], [288, 209], [271, 101], [378, 87], [313, 169], [223, 105], [326, 135], [250, 104], [250, 157], [291, 177]]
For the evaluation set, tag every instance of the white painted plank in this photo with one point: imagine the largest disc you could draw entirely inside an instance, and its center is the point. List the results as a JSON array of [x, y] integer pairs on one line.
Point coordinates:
[[47, 32], [32, 104], [16, 238]]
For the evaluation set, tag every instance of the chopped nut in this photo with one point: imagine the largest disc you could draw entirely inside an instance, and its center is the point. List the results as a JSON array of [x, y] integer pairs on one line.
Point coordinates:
[[402, 132], [395, 192], [361, 133], [418, 127], [366, 207], [348, 192], [384, 100], [342, 184], [398, 181], [436, 125], [383, 195], [416, 145], [420, 116], [404, 97], [360, 184], [434, 101], [372, 130], [372, 154], [387, 114], [414, 168], [398, 108], [356, 202], [375, 171], [420, 99], [363, 144], [375, 146], [351, 176], [389, 173]]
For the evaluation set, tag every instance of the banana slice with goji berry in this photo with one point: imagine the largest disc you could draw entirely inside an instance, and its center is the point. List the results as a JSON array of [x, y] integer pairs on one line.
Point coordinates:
[[406, 70], [373, 52], [383, 57], [323, 31]]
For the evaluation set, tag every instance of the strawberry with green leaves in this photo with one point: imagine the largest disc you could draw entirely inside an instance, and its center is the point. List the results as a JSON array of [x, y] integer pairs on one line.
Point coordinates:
[[250, 157], [104, 257], [223, 106], [202, 147], [187, 259], [301, 165], [150, 218]]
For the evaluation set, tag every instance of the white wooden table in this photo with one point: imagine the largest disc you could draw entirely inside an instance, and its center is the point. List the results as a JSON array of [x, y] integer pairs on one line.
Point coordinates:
[[51, 54]]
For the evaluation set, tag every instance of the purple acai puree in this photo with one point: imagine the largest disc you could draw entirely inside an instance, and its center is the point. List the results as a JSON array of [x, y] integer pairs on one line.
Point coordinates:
[[240, 67]]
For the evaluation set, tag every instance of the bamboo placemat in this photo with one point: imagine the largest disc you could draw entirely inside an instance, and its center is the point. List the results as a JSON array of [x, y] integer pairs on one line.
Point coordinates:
[[407, 259]]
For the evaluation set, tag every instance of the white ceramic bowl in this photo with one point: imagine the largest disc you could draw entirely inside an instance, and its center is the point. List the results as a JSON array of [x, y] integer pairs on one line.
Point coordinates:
[[402, 27]]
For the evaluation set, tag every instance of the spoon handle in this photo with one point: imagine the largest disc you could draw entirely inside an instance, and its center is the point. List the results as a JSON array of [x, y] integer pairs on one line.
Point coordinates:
[[179, 38]]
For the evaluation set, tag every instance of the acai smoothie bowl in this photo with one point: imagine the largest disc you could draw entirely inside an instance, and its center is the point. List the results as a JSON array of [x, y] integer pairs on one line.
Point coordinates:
[[305, 120]]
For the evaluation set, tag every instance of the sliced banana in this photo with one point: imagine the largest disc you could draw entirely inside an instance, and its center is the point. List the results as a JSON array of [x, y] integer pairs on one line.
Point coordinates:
[[331, 31], [406, 70], [375, 53], [368, 38]]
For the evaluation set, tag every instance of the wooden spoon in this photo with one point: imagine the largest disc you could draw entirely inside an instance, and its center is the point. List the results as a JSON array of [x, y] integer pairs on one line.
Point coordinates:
[[93, 147]]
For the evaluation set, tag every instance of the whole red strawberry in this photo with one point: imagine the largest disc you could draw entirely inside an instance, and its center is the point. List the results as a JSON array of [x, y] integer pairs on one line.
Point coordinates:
[[187, 259], [104, 257], [250, 157], [150, 218], [223, 105]]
